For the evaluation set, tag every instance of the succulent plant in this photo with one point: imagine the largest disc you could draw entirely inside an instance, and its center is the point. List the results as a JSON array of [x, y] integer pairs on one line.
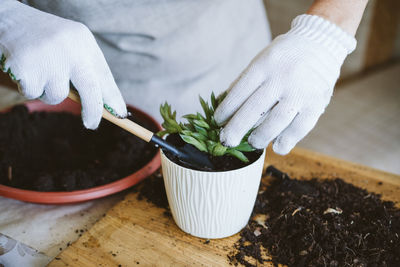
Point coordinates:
[[202, 131]]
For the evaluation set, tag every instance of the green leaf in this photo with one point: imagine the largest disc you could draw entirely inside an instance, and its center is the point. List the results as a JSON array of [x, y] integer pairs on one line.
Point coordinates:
[[210, 142], [203, 104], [237, 154], [188, 127], [162, 133], [213, 123], [200, 117], [199, 136], [162, 111], [165, 110], [186, 132], [193, 141], [169, 128], [169, 123], [200, 130], [213, 101], [219, 150], [173, 124], [190, 116], [210, 145], [205, 107], [202, 124], [213, 135], [244, 147], [246, 136], [203, 131]]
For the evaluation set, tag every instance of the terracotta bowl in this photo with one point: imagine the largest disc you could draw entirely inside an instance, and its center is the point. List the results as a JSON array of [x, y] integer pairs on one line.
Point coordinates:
[[87, 194]]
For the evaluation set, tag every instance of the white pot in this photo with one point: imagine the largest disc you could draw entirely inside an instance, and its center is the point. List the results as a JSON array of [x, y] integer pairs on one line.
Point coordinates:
[[211, 204]]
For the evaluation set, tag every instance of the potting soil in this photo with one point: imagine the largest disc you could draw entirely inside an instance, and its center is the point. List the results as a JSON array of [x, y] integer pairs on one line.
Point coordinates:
[[310, 223], [52, 151], [320, 223], [221, 163]]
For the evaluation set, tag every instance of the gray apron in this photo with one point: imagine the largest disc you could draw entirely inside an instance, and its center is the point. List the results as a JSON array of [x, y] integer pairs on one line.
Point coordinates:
[[170, 50]]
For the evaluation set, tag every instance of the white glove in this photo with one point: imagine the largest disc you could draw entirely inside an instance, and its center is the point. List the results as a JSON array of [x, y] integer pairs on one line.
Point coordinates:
[[286, 87], [43, 53]]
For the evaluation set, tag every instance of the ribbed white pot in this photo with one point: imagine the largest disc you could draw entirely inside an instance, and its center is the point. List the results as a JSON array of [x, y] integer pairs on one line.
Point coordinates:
[[211, 204]]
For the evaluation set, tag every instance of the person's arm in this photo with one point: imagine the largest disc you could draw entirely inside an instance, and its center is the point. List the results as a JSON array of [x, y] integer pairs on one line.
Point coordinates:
[[346, 14], [43, 53], [287, 86]]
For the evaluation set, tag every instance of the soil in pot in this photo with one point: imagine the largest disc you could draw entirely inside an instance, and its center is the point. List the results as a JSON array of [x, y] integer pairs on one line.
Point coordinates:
[[46, 151], [221, 163]]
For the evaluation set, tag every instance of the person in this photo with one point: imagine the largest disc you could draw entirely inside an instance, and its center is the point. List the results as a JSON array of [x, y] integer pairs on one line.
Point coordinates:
[[174, 50]]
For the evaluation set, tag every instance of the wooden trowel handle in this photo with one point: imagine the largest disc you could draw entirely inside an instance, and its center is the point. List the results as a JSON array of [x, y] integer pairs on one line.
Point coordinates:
[[125, 124]]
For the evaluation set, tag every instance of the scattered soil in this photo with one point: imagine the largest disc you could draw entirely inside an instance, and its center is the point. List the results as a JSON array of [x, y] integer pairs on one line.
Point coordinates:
[[52, 151], [152, 190], [310, 223], [221, 163], [319, 223]]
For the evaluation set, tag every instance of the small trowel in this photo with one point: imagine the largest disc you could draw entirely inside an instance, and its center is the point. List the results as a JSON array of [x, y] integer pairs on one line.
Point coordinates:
[[187, 154]]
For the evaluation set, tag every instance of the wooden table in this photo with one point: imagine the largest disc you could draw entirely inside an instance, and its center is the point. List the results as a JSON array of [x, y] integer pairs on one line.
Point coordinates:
[[137, 233]]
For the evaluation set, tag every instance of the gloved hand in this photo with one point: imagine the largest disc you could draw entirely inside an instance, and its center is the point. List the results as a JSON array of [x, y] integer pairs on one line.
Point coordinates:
[[286, 87], [43, 53]]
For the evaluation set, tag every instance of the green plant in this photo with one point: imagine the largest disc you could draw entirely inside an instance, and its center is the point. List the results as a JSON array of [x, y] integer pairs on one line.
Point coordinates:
[[202, 131]]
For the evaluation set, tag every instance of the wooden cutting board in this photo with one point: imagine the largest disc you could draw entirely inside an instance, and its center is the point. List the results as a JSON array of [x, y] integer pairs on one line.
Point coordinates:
[[135, 232]]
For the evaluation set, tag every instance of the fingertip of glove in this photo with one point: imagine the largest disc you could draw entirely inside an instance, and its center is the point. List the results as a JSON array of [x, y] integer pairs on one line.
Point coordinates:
[[255, 142], [282, 147], [91, 122], [227, 139], [218, 116], [91, 125], [119, 111]]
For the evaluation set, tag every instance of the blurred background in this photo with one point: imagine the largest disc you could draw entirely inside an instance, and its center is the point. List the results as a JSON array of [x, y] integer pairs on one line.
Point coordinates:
[[362, 123]]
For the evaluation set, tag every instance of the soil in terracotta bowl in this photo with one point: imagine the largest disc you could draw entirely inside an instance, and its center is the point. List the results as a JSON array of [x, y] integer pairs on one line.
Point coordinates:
[[221, 163], [52, 151]]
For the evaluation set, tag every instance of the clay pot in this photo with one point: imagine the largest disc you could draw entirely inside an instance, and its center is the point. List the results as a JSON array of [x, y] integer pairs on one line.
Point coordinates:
[[87, 194], [211, 204]]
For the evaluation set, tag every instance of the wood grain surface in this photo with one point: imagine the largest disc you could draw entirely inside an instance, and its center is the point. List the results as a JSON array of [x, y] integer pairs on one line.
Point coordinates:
[[136, 233]]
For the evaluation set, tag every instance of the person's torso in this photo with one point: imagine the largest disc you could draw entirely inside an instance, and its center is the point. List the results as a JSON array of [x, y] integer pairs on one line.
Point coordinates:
[[170, 42]]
